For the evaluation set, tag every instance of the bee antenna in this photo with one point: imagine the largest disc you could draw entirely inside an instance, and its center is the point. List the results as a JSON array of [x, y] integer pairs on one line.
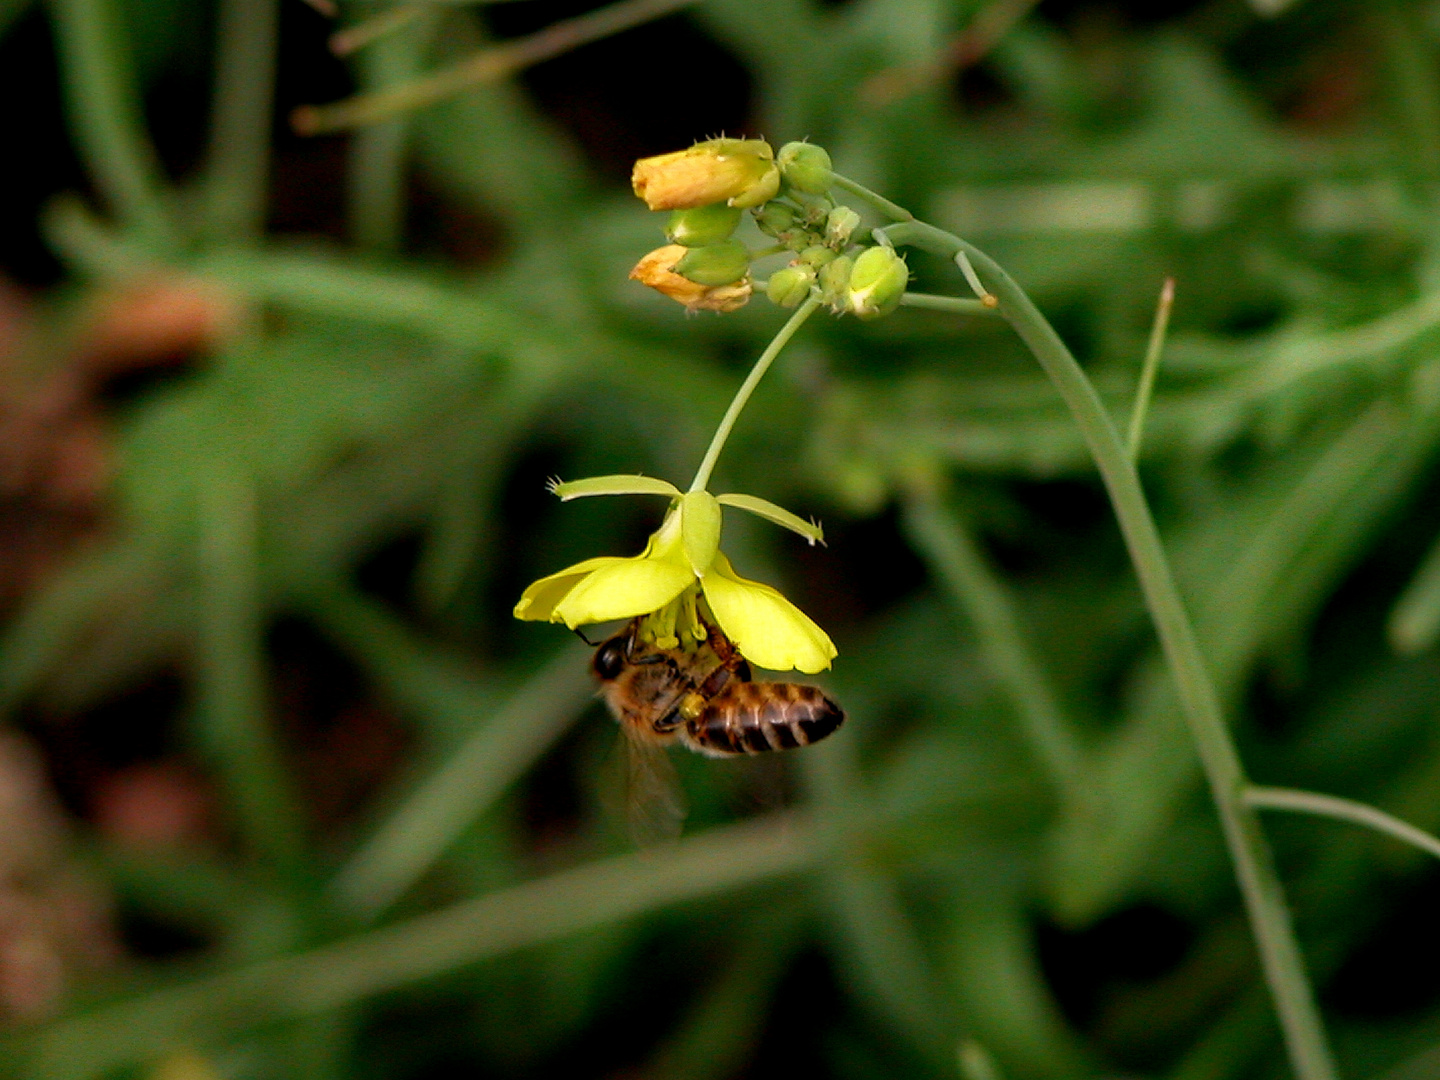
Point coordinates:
[[581, 635]]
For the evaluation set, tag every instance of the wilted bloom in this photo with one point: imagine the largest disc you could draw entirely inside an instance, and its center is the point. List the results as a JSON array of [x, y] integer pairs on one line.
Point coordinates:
[[658, 271], [682, 580], [740, 172]]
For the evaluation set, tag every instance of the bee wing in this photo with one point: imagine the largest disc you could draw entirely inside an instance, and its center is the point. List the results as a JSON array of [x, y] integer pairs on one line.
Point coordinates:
[[654, 803]]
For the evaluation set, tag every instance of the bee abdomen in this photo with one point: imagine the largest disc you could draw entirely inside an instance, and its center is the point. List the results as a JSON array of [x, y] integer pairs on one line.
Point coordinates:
[[756, 718]]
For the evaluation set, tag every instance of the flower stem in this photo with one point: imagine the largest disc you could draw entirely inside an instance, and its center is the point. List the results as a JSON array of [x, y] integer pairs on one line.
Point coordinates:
[[105, 115], [1149, 369], [1357, 813], [1250, 853], [742, 396], [239, 156], [953, 304]]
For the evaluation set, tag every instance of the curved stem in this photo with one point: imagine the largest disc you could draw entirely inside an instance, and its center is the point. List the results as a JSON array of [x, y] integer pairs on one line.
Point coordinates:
[[944, 538], [1149, 370], [238, 169], [104, 108], [1254, 865], [1331, 806], [742, 396], [953, 304]]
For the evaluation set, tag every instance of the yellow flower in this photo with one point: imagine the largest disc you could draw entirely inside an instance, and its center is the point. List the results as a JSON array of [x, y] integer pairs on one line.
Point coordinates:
[[740, 172], [680, 577], [657, 271]]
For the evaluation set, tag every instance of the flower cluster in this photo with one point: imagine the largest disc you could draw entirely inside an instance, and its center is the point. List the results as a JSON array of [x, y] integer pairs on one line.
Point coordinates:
[[704, 267], [682, 582], [682, 585]]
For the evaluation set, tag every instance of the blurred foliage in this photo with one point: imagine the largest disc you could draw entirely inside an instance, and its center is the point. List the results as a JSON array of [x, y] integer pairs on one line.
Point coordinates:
[[319, 521]]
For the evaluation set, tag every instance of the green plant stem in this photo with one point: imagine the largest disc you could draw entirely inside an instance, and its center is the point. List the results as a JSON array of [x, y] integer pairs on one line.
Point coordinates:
[[929, 302], [1148, 371], [379, 152], [867, 914], [1331, 806], [330, 978], [952, 553], [448, 799], [231, 678], [239, 155], [487, 65], [1414, 621], [1250, 853], [742, 396], [891, 210], [103, 101]]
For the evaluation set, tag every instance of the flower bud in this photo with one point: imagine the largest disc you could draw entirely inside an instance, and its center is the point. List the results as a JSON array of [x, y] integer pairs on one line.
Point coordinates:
[[877, 283], [790, 285], [740, 172], [835, 280], [806, 167], [715, 264], [658, 271], [817, 256], [775, 219], [840, 225], [702, 225]]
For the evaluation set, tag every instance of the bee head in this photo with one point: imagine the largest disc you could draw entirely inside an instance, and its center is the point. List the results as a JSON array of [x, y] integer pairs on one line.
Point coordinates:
[[610, 657]]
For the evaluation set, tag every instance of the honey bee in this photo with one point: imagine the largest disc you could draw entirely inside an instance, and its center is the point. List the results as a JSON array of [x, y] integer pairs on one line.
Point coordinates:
[[704, 699]]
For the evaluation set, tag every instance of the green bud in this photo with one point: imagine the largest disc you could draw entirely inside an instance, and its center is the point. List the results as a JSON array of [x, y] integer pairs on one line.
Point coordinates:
[[775, 218], [797, 240], [877, 283], [813, 210], [789, 286], [840, 224], [805, 167], [817, 256], [835, 280], [702, 225], [715, 264]]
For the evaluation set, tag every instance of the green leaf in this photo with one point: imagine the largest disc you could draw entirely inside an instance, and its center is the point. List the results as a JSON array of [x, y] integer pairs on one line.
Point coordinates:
[[620, 484], [776, 515]]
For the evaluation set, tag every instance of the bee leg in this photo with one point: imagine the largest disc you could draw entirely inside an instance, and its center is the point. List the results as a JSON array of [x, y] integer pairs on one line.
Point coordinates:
[[686, 710], [730, 656], [668, 723]]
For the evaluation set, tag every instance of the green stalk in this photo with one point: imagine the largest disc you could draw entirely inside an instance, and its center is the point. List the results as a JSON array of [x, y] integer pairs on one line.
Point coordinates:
[[1357, 813], [335, 976], [103, 101], [239, 155], [945, 303], [742, 396], [1250, 853], [1151, 367], [947, 544], [231, 678], [379, 152]]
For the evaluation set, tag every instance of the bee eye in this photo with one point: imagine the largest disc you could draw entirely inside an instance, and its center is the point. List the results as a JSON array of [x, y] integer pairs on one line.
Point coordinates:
[[610, 659]]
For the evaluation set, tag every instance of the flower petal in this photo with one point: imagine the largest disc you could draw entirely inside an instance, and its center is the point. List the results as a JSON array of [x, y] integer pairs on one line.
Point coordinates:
[[622, 589], [613, 485], [538, 602], [776, 515], [700, 529], [769, 630]]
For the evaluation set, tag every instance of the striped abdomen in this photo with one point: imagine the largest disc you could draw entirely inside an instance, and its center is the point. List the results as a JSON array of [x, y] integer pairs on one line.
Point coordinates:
[[758, 717]]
